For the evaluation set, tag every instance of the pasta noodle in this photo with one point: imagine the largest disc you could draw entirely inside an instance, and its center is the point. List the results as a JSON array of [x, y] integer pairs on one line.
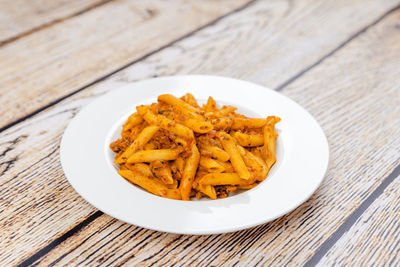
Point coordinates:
[[179, 149]]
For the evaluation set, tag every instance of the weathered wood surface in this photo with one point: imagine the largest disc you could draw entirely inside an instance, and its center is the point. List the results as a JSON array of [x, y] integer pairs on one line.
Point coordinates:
[[358, 109], [69, 55], [374, 239], [22, 17], [74, 63], [41, 205]]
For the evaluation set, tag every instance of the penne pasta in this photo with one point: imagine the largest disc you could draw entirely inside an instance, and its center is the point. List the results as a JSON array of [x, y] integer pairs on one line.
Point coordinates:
[[142, 168], [216, 153], [207, 190], [149, 146], [241, 123], [269, 140], [189, 98], [185, 108], [165, 123], [210, 106], [150, 185], [180, 164], [258, 168], [189, 172], [234, 154], [153, 155], [177, 149], [199, 126], [132, 132], [211, 165], [222, 179], [227, 165], [241, 150], [225, 110], [145, 169], [181, 142], [162, 170], [140, 141], [133, 120], [248, 140], [223, 123]]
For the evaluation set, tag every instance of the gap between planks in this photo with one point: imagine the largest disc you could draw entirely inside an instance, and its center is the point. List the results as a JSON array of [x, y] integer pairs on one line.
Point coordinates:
[[126, 66], [61, 239], [324, 247], [351, 38], [279, 88], [51, 23], [352, 219]]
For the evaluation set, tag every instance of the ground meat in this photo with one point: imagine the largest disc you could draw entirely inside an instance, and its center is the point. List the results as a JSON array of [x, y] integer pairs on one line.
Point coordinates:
[[120, 145], [209, 139], [163, 139]]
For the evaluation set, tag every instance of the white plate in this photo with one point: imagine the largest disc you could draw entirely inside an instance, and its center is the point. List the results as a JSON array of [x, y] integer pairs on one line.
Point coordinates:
[[302, 158]]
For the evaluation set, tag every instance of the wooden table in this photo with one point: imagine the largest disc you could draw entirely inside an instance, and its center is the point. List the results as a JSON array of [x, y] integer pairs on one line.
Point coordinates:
[[338, 59]]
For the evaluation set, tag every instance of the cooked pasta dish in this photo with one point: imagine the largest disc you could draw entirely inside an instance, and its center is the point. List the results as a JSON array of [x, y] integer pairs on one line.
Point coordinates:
[[179, 149]]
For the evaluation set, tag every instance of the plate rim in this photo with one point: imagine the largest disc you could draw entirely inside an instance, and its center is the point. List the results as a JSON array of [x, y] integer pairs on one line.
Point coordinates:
[[221, 230]]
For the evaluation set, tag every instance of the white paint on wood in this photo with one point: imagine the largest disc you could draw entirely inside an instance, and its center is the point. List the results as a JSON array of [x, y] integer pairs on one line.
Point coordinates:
[[22, 16], [64, 57], [375, 238], [362, 141]]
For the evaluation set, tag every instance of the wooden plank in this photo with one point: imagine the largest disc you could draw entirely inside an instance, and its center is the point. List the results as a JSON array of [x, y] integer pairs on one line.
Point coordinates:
[[375, 238], [354, 94], [24, 16], [30, 149], [66, 56]]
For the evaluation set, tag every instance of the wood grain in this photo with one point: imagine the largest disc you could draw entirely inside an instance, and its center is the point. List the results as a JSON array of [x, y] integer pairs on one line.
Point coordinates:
[[375, 238], [64, 57], [354, 95], [24, 16], [41, 205]]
